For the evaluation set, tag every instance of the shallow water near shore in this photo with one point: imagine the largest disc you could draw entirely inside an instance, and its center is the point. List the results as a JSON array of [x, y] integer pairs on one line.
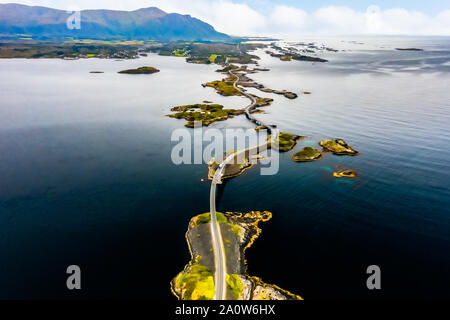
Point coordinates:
[[87, 178]]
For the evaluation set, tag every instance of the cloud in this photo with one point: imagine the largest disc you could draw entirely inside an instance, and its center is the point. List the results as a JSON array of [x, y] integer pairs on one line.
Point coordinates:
[[285, 17], [396, 21], [262, 17], [333, 19], [241, 19], [234, 18]]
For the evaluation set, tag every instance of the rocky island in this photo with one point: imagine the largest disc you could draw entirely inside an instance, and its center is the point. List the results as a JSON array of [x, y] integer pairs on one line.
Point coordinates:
[[225, 88], [408, 49], [338, 147], [206, 113], [286, 141], [345, 173], [141, 70], [307, 154], [239, 231], [260, 128]]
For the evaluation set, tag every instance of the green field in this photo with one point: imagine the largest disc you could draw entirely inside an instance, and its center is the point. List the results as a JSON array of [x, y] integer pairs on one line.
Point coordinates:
[[197, 283], [213, 58]]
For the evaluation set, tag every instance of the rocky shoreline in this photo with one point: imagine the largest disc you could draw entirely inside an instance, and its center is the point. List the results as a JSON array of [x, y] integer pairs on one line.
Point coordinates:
[[141, 70], [239, 232], [307, 154], [338, 147], [205, 113]]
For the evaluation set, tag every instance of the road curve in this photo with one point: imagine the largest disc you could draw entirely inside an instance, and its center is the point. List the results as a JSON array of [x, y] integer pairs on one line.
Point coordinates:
[[216, 235]]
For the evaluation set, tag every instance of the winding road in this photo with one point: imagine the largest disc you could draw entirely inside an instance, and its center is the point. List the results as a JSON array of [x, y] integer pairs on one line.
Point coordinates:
[[216, 235]]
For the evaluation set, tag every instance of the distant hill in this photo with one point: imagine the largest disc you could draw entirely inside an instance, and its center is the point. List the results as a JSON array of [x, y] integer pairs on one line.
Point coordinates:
[[142, 24]]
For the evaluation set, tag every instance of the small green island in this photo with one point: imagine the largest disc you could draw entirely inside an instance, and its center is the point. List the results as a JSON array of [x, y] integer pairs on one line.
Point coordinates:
[[263, 102], [206, 113], [307, 154], [239, 231], [338, 147], [141, 70], [224, 88], [286, 141]]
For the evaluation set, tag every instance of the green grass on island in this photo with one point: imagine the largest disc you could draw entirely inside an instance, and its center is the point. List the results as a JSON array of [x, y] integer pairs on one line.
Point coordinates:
[[235, 285], [307, 154], [206, 113], [263, 102], [228, 68], [247, 59], [286, 58], [197, 283], [213, 58], [67, 50], [198, 60], [180, 53], [225, 88], [141, 70], [26, 46], [235, 229], [261, 128], [207, 52], [286, 141], [338, 147], [239, 231], [206, 218]]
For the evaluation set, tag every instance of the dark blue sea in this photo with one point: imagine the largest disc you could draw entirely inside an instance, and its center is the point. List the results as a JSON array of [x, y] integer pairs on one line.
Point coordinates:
[[86, 176]]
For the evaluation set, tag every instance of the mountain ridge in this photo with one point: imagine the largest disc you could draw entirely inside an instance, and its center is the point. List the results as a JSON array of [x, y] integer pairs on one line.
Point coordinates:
[[142, 24]]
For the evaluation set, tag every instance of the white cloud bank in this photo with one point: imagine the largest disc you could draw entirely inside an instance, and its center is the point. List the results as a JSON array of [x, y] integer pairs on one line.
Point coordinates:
[[333, 20], [242, 19], [286, 18]]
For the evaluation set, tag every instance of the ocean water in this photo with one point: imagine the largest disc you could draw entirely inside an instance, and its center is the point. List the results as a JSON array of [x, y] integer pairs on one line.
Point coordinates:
[[86, 176]]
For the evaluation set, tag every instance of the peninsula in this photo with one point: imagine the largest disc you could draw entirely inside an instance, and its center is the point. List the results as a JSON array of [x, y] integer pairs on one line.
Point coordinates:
[[239, 231]]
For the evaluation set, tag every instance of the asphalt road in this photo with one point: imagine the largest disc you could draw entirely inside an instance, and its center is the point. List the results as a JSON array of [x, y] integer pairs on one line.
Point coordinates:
[[216, 235]]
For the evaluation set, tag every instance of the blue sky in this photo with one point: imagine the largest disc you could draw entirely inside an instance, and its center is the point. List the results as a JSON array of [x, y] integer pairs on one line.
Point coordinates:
[[426, 6], [294, 17], [429, 7]]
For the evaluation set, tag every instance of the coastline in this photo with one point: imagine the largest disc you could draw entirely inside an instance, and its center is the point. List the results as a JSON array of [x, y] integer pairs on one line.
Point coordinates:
[[253, 288]]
